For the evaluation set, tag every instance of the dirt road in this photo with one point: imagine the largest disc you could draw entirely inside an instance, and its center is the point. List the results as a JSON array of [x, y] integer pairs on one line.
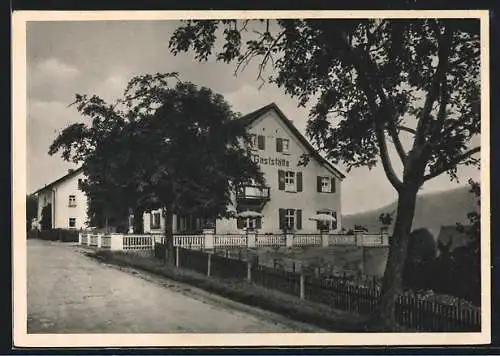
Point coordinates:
[[70, 293]]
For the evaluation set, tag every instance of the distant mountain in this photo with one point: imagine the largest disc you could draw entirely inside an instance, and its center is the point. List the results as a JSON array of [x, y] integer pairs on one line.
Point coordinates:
[[432, 211]]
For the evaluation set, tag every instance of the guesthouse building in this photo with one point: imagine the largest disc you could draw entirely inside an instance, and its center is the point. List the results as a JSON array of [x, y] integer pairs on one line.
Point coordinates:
[[293, 193]]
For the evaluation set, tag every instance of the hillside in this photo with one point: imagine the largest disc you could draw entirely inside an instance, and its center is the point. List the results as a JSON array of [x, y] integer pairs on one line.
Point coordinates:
[[432, 211]]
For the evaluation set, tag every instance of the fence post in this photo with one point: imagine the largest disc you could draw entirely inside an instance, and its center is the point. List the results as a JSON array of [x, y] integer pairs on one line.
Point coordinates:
[[177, 263], [208, 237], [99, 240], [324, 239], [209, 264], [251, 240], [289, 240], [79, 238], [249, 271], [302, 287], [116, 242], [359, 238]]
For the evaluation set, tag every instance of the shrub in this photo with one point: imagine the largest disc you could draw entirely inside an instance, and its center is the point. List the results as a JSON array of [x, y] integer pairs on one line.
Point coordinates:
[[59, 234], [160, 251]]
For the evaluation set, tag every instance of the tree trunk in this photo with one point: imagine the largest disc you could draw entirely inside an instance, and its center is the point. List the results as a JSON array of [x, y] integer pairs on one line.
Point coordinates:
[[138, 221], [169, 238], [385, 318]]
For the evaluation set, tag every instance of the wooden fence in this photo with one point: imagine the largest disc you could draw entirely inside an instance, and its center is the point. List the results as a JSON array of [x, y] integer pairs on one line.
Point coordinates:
[[337, 292]]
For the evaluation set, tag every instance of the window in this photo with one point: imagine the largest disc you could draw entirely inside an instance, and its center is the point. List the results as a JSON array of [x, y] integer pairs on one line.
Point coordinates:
[[72, 201], [282, 145], [72, 222], [326, 185], [249, 223], [290, 181], [155, 218], [80, 183], [290, 219]]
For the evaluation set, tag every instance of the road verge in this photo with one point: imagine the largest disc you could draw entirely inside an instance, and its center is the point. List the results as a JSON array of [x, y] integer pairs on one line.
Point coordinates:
[[247, 293]]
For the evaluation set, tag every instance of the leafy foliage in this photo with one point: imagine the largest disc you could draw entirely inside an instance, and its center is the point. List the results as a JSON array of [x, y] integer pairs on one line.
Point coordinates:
[[46, 217], [464, 262], [422, 251], [385, 219], [159, 146], [31, 210], [369, 77]]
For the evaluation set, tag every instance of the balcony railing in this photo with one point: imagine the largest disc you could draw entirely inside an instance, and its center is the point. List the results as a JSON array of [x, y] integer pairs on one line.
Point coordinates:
[[253, 193]]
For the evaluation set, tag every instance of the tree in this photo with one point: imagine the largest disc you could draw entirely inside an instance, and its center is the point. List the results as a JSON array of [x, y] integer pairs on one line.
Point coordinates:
[[385, 220], [46, 218], [412, 85], [179, 148], [31, 210], [464, 262]]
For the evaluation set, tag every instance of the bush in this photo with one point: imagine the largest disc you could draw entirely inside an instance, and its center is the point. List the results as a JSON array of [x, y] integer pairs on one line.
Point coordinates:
[[160, 251], [59, 235]]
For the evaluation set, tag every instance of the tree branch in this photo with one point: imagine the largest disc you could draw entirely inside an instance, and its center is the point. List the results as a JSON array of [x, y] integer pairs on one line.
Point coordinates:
[[452, 163], [371, 69], [356, 59], [386, 160], [443, 55], [407, 129]]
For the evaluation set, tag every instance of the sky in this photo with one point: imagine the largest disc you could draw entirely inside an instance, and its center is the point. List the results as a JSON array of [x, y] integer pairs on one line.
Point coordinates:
[[99, 57]]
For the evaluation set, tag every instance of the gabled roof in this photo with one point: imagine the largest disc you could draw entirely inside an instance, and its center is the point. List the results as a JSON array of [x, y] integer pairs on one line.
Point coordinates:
[[248, 119], [57, 181]]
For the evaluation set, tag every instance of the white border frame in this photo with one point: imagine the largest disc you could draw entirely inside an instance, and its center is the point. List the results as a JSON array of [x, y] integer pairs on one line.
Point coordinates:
[[19, 288]]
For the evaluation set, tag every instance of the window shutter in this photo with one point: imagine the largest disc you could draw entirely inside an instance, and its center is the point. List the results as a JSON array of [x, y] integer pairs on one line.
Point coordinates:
[[318, 184], [260, 142], [151, 220], [334, 223], [299, 181], [240, 223], [177, 223], [282, 218], [281, 180], [333, 185], [258, 223], [279, 145], [298, 216]]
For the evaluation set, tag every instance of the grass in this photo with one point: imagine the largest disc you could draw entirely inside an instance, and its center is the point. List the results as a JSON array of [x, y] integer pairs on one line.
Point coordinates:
[[247, 293], [333, 260]]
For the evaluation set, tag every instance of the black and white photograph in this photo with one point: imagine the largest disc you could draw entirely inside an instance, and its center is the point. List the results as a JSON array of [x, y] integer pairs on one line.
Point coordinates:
[[251, 178]]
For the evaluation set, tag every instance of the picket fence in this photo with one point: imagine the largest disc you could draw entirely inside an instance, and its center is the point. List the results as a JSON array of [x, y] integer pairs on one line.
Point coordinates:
[[337, 292], [221, 241]]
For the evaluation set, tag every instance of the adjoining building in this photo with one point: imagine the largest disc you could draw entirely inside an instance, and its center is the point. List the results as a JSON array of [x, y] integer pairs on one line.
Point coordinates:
[[67, 201], [293, 193]]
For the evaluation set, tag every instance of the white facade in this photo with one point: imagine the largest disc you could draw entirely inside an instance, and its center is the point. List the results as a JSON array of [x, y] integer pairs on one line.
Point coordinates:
[[69, 203], [296, 198]]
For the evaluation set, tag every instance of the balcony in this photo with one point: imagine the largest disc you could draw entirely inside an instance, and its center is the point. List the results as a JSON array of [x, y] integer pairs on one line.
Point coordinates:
[[252, 197], [253, 193]]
